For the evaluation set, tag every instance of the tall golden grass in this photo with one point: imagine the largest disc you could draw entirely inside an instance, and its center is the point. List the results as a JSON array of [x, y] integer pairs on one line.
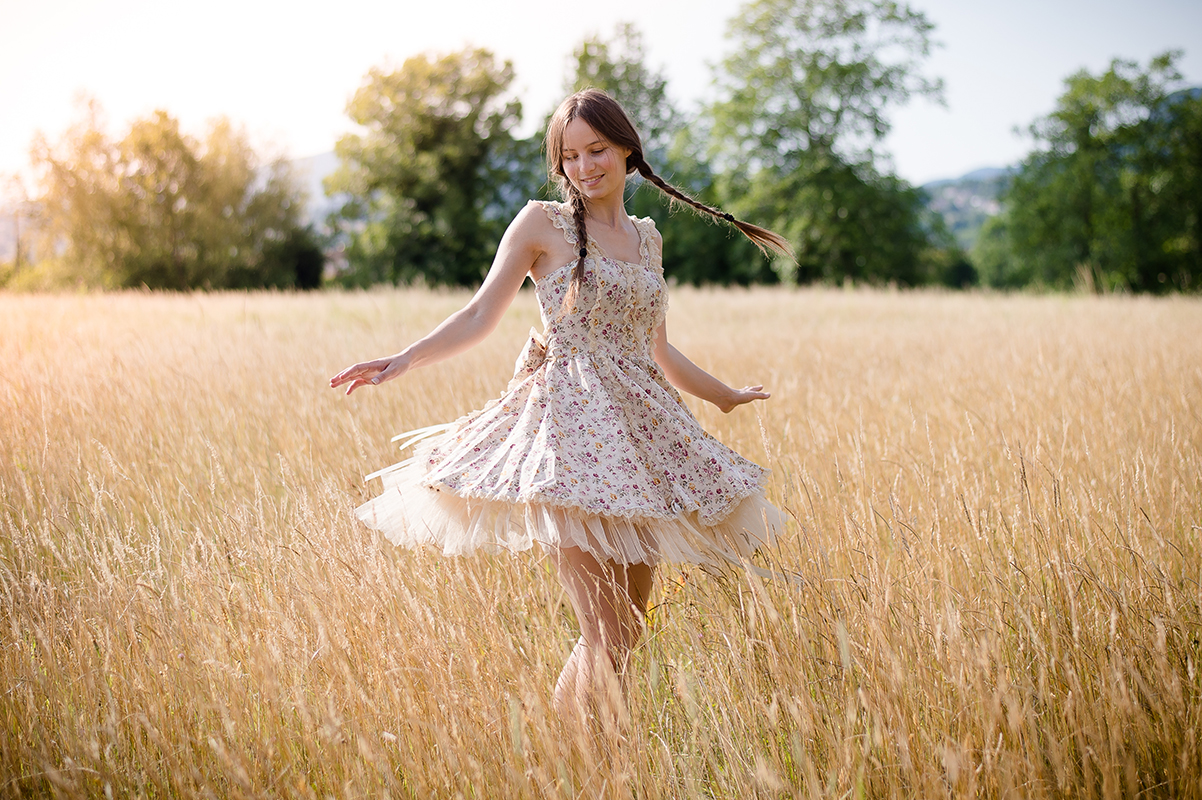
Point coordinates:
[[995, 507]]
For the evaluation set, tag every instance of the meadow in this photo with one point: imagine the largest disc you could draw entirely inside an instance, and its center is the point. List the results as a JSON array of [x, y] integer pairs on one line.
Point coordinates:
[[994, 505]]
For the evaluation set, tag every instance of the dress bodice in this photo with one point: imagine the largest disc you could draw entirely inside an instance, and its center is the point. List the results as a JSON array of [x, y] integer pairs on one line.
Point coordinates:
[[620, 305]]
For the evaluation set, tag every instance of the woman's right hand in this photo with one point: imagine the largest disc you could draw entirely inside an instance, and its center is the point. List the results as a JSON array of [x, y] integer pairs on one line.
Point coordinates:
[[525, 241], [371, 373]]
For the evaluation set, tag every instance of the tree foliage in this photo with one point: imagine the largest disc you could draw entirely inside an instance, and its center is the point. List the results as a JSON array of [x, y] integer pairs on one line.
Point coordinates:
[[695, 249], [1112, 197], [430, 176], [436, 173], [815, 78], [618, 66], [806, 99], [158, 208]]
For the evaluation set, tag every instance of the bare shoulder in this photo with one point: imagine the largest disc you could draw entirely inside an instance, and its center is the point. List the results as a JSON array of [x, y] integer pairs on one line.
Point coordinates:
[[534, 231], [532, 220], [531, 229]]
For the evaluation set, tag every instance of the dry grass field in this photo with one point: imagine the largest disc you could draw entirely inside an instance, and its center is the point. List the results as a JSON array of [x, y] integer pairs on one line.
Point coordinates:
[[995, 513]]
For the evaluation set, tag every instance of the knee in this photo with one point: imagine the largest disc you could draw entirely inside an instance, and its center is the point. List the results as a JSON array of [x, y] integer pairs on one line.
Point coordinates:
[[625, 639], [616, 642]]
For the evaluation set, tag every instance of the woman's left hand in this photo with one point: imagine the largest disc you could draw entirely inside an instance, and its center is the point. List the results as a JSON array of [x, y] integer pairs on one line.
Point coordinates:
[[738, 397]]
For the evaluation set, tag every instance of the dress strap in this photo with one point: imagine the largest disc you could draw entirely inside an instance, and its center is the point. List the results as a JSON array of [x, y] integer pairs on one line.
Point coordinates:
[[650, 252], [561, 217]]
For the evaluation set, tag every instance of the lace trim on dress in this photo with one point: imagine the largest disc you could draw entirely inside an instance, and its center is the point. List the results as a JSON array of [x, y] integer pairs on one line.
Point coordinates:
[[649, 249], [408, 513], [737, 494], [654, 256], [654, 259], [644, 226], [561, 220]]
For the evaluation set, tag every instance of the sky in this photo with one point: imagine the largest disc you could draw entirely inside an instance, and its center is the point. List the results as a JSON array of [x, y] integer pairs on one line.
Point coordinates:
[[286, 70]]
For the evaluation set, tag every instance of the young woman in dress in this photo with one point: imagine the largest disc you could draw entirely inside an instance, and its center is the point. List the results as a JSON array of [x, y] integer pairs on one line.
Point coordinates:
[[590, 451]]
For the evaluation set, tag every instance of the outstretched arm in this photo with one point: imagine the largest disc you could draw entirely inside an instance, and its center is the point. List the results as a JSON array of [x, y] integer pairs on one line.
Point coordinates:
[[519, 249], [688, 377]]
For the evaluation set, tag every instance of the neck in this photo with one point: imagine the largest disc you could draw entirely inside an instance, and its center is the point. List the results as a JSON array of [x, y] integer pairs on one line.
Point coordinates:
[[607, 212]]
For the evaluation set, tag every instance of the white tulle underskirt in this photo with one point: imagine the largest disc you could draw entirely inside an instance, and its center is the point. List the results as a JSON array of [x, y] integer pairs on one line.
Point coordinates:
[[409, 513]]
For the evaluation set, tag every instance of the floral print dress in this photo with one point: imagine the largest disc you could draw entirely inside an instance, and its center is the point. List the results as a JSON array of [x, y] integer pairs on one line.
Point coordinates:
[[589, 446]]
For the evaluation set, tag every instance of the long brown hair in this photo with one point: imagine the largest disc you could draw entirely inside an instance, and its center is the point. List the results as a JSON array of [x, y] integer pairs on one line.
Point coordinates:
[[607, 118]]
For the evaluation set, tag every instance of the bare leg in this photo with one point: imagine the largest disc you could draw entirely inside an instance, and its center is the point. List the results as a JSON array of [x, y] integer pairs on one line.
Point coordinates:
[[610, 600], [565, 685]]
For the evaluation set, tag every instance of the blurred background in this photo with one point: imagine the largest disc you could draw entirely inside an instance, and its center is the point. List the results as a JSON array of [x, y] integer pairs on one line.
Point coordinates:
[[240, 145]]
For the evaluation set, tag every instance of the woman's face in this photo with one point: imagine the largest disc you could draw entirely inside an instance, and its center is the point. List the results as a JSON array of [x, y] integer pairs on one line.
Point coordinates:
[[594, 165]]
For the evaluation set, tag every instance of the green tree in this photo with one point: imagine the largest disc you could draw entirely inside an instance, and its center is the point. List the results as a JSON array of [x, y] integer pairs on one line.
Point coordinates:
[[992, 257], [161, 209], [618, 66], [695, 249], [1111, 197], [428, 177], [806, 101], [1180, 232]]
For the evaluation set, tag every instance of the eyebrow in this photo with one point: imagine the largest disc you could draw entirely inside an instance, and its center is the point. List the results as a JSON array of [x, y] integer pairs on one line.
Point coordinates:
[[590, 144]]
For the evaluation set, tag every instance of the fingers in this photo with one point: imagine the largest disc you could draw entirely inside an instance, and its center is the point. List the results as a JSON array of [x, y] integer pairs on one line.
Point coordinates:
[[355, 384], [369, 373], [745, 395], [361, 373], [348, 374]]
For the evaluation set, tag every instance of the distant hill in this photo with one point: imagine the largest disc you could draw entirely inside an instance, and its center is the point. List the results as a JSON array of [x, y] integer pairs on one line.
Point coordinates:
[[310, 172], [10, 224], [965, 203], [8, 235]]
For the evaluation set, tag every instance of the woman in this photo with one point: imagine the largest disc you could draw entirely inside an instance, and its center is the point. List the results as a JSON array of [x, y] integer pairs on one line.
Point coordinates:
[[590, 451]]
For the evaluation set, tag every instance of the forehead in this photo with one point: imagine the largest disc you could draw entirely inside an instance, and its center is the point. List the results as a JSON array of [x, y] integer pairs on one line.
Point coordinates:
[[578, 135]]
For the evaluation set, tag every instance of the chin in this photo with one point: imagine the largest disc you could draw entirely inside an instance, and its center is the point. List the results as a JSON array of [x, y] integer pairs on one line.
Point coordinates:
[[597, 192]]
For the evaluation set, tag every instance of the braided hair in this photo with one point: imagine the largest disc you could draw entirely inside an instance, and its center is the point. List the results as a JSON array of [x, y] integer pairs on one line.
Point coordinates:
[[607, 118]]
